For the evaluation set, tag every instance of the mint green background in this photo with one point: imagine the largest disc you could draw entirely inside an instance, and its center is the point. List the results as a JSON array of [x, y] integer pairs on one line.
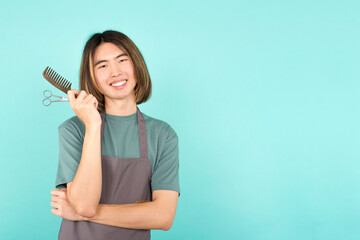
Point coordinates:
[[262, 94]]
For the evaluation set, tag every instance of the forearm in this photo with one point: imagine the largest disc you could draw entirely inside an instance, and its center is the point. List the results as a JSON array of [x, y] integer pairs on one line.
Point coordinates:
[[136, 216], [85, 190]]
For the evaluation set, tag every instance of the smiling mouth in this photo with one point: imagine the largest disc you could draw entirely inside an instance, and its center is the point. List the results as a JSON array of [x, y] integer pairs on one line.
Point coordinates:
[[117, 84]]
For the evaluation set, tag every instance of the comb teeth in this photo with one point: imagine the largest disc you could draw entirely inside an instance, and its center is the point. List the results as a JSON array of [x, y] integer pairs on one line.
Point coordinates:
[[55, 79]]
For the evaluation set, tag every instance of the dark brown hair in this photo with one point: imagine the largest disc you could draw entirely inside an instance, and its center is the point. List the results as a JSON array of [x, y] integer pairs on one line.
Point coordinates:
[[87, 80]]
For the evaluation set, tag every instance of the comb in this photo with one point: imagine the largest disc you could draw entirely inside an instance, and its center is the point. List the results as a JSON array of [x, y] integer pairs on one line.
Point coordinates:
[[56, 79]]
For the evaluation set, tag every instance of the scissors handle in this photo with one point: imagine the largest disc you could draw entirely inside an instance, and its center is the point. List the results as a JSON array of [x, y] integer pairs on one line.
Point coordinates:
[[46, 102], [47, 93]]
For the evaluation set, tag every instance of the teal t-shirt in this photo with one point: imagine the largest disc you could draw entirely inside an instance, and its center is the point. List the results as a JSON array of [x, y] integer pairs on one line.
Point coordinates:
[[121, 140]]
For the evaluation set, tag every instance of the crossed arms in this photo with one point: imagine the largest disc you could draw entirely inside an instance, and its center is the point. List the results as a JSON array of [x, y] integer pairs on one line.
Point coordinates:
[[157, 214]]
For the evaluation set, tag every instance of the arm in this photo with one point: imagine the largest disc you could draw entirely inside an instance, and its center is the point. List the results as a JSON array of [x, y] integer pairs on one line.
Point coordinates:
[[157, 214], [84, 191]]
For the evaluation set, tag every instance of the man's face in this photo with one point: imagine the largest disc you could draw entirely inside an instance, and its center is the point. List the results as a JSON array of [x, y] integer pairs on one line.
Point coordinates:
[[114, 72]]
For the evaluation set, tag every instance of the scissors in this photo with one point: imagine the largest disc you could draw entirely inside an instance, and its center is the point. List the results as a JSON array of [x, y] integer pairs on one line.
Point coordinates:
[[48, 95]]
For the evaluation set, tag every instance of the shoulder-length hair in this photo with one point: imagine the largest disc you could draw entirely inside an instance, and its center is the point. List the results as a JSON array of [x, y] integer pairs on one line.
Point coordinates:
[[87, 80]]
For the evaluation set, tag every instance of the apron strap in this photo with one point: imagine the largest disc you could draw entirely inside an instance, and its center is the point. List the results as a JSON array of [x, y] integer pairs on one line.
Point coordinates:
[[142, 135]]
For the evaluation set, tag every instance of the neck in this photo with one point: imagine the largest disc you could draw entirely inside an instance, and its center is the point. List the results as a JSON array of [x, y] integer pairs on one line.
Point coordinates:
[[120, 107]]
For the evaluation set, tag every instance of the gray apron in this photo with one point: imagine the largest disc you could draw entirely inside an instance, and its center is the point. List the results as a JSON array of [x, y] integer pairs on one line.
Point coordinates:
[[124, 180]]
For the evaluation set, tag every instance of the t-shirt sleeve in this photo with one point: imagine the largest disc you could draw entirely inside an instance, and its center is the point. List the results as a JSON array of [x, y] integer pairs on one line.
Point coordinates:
[[70, 150], [166, 174]]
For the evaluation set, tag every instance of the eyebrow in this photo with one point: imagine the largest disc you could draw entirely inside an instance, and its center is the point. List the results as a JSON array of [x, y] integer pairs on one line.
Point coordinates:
[[101, 61]]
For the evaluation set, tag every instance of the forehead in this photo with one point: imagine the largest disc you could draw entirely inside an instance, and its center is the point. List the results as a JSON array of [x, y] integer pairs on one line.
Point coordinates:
[[107, 51]]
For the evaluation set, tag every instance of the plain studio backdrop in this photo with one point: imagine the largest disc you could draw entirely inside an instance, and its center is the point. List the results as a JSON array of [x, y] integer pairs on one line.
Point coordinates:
[[263, 95]]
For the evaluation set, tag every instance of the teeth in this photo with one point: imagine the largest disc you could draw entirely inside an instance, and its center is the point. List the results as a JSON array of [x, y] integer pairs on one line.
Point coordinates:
[[118, 83]]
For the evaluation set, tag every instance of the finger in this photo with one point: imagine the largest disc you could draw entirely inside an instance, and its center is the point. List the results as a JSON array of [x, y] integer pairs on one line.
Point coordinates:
[[54, 204], [79, 99], [55, 211], [56, 199], [55, 192], [76, 92], [73, 92], [89, 98], [58, 193], [71, 95], [82, 95], [96, 104]]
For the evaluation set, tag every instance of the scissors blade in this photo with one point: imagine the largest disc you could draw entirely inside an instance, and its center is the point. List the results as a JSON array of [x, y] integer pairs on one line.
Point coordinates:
[[62, 99]]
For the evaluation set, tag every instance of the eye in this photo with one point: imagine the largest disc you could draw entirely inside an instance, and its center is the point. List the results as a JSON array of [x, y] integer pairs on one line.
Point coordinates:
[[123, 60], [102, 66]]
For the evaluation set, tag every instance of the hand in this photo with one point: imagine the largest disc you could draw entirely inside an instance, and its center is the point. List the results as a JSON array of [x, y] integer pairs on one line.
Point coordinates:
[[85, 107], [62, 206]]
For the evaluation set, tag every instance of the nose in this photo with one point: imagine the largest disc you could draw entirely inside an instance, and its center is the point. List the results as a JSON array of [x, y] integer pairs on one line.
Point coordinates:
[[115, 70]]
